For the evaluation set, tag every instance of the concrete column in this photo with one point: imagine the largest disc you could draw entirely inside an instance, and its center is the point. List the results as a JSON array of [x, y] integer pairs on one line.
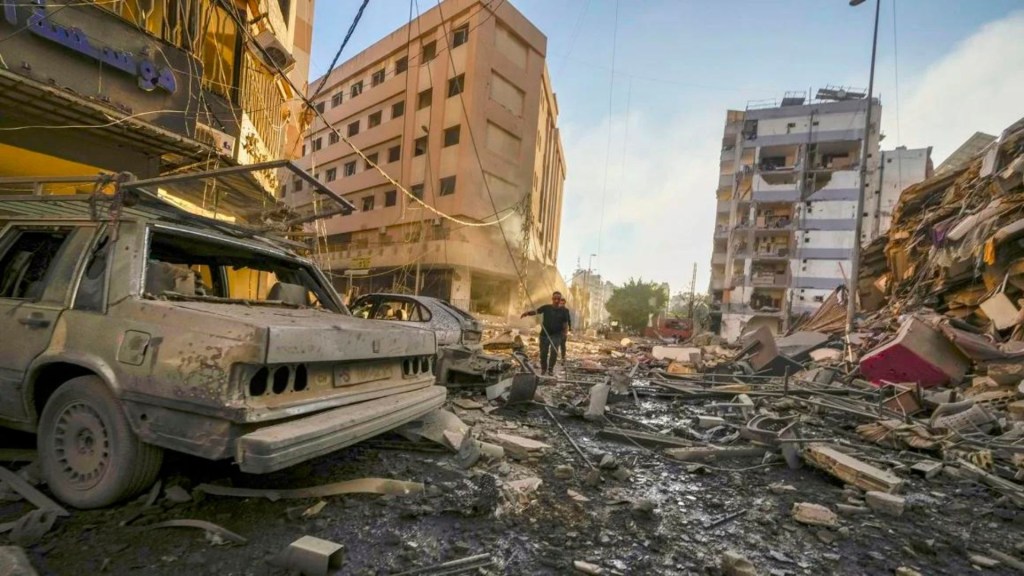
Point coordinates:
[[461, 284]]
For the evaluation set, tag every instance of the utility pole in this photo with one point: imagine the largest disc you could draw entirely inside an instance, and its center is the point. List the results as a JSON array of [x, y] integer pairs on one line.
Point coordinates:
[[851, 297], [693, 291]]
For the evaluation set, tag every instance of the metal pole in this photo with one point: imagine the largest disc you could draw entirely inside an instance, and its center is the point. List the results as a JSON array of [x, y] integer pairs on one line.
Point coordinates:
[[851, 304]]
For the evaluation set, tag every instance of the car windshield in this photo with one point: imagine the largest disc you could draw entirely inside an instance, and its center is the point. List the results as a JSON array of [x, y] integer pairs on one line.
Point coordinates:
[[181, 266]]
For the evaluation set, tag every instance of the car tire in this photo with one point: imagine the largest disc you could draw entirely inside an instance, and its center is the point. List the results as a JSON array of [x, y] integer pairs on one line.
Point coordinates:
[[106, 462]]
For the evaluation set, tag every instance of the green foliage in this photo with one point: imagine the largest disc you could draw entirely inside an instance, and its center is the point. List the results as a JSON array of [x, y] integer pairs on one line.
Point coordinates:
[[634, 302], [679, 307]]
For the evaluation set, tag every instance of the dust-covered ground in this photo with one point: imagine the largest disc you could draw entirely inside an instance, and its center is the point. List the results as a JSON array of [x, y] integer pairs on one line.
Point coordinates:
[[664, 518]]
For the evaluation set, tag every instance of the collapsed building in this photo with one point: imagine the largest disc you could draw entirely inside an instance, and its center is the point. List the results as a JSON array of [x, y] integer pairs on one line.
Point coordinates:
[[787, 204]]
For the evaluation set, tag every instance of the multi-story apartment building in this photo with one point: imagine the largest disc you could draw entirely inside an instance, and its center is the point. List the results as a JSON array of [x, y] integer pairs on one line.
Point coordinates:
[[588, 295], [151, 87], [456, 107], [787, 206]]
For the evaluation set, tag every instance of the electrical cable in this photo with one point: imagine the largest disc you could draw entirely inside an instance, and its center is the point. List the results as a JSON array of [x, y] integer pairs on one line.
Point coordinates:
[[344, 42], [608, 147], [357, 150]]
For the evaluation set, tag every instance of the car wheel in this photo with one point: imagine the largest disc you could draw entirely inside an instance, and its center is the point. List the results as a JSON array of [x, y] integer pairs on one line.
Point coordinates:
[[89, 455]]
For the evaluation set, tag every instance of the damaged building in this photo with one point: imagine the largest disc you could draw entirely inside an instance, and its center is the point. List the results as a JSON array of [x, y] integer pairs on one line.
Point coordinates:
[[84, 92], [457, 108], [787, 204]]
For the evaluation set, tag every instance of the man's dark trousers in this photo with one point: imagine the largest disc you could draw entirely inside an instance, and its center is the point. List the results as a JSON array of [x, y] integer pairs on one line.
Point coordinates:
[[549, 343]]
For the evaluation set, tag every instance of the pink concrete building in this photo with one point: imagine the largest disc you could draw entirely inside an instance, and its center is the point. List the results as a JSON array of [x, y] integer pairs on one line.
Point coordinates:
[[458, 108]]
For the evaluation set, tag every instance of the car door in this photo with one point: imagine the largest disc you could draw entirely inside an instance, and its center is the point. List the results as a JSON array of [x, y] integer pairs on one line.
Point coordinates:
[[37, 265]]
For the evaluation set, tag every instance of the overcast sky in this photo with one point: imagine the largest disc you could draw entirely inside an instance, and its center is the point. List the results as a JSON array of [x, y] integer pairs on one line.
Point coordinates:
[[680, 64]]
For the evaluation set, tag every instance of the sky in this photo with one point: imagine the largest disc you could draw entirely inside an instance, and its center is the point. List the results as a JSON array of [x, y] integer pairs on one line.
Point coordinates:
[[642, 130]]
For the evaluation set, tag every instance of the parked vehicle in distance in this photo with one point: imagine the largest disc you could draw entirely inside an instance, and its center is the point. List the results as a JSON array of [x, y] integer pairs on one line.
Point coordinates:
[[459, 334], [667, 327], [130, 332]]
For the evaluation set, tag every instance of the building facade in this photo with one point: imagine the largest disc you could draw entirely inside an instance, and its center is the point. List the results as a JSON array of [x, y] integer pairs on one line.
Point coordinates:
[[588, 295], [151, 87], [456, 107], [787, 206], [898, 169]]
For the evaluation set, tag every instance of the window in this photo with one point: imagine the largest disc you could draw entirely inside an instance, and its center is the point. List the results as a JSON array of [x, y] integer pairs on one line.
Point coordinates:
[[341, 239], [333, 138], [28, 263], [447, 186], [353, 128], [336, 100], [423, 100], [398, 109], [401, 65], [357, 89], [91, 294], [318, 144], [303, 148], [394, 154], [367, 203], [451, 136], [460, 35], [419, 146], [284, 190], [390, 198], [417, 190], [429, 51], [332, 174], [297, 184], [377, 78], [455, 85], [320, 107], [371, 158], [350, 168], [374, 119]]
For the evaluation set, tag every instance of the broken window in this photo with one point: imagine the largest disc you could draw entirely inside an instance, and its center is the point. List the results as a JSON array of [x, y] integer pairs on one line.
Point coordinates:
[[377, 78], [320, 107], [367, 203], [460, 35], [373, 120], [447, 186], [749, 129], [332, 174], [455, 85], [91, 293], [401, 65], [356, 89], [333, 138], [423, 98], [420, 146], [28, 262], [371, 159], [417, 191], [451, 136], [336, 100], [183, 266], [429, 51], [318, 144], [350, 168]]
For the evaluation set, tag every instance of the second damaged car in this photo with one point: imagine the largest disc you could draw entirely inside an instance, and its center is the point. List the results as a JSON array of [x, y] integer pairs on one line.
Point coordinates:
[[145, 329]]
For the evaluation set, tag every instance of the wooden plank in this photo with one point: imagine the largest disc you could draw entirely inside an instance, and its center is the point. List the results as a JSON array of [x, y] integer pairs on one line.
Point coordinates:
[[644, 438], [851, 470], [37, 498]]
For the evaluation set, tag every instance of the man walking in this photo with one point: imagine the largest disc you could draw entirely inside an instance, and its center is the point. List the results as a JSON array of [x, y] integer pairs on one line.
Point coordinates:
[[555, 323]]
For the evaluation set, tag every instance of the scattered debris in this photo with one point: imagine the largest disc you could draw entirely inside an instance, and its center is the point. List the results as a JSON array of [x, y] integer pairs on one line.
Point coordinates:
[[177, 495], [30, 528], [218, 531], [885, 503], [37, 498], [361, 486], [814, 515], [850, 470], [14, 562], [734, 564], [311, 556]]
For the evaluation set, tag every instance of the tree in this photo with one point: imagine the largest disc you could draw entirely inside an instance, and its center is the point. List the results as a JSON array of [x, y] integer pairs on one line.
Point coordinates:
[[679, 307], [634, 302]]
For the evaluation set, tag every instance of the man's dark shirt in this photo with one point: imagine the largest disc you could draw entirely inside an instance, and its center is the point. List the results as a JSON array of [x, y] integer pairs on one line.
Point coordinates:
[[554, 320]]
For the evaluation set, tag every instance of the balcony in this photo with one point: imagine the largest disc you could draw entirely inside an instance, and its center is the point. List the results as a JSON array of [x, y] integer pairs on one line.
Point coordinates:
[[723, 206], [726, 180], [778, 279], [721, 231], [771, 254], [718, 258], [774, 223]]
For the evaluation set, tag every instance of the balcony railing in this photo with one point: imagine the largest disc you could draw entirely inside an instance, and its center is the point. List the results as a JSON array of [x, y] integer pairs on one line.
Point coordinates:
[[778, 223], [775, 253]]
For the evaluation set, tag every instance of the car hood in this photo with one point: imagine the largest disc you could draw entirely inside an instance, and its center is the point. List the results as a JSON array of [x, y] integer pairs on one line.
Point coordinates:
[[309, 335]]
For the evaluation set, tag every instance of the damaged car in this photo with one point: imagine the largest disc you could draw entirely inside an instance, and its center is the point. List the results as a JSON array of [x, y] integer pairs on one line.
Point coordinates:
[[460, 354], [147, 329]]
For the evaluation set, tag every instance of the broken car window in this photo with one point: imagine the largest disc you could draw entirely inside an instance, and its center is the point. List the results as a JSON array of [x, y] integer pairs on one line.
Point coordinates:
[[27, 262], [181, 266]]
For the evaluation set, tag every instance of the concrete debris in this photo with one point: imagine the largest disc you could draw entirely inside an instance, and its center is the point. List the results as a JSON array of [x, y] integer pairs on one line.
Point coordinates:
[[927, 468], [467, 404], [885, 503], [37, 498], [983, 561], [30, 528], [177, 495], [814, 515], [587, 568], [734, 564], [905, 571], [311, 556], [850, 470], [563, 472], [608, 462], [576, 496], [14, 562], [519, 447], [682, 354], [526, 485]]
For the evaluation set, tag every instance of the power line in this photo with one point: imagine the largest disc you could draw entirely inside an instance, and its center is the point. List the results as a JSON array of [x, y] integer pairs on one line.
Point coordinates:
[[344, 41], [608, 147]]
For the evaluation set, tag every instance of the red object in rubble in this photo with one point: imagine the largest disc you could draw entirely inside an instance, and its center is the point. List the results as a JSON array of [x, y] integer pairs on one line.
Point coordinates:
[[919, 353]]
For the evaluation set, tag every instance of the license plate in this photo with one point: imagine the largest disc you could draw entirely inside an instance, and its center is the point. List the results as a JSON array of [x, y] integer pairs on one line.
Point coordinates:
[[350, 375]]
